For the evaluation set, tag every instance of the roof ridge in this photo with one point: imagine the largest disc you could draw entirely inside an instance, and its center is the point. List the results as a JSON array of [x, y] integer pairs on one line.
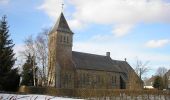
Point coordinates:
[[90, 54], [118, 60]]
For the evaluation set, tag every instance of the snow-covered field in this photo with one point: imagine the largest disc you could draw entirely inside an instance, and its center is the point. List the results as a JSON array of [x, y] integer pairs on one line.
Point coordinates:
[[32, 97], [45, 97]]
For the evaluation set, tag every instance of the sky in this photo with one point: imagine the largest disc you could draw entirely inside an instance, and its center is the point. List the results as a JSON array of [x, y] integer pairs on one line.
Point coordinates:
[[128, 29]]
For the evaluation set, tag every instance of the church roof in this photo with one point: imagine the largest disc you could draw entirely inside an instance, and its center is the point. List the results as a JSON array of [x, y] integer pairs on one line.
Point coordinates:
[[61, 25], [96, 62], [124, 66]]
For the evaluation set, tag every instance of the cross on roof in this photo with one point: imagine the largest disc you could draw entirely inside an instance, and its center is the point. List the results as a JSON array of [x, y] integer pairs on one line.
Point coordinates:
[[62, 7]]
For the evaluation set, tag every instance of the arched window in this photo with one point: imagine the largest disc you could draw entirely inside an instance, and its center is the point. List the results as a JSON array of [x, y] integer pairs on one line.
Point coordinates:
[[61, 38], [65, 82], [67, 40], [70, 77], [88, 79], [113, 81], [82, 79], [64, 38], [98, 79]]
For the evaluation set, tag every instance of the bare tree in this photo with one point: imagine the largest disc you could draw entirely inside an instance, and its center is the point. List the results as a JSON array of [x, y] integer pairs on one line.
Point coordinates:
[[41, 44], [38, 48], [161, 71], [141, 68], [29, 47]]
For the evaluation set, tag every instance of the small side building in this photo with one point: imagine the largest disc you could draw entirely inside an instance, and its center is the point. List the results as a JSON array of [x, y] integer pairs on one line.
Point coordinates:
[[148, 84]]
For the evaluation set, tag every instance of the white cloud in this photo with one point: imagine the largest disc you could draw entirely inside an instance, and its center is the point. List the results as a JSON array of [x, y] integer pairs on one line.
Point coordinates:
[[20, 59], [75, 24], [128, 12], [157, 43], [52, 8], [121, 11], [17, 49], [4, 2], [122, 29]]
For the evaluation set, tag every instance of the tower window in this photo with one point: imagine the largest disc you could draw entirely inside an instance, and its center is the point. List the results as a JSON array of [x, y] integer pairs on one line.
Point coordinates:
[[64, 39], [67, 39], [61, 38]]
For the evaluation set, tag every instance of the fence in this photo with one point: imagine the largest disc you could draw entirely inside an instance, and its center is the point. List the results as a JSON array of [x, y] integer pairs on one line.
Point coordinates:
[[123, 94], [100, 94]]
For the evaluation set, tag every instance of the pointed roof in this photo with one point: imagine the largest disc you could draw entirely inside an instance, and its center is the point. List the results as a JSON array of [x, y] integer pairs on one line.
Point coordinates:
[[61, 25]]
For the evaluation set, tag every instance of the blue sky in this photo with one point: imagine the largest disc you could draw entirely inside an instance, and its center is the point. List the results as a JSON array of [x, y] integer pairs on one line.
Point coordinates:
[[126, 28]]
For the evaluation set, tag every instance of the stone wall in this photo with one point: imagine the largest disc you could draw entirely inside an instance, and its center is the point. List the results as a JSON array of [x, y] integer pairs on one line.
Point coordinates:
[[134, 82], [97, 79]]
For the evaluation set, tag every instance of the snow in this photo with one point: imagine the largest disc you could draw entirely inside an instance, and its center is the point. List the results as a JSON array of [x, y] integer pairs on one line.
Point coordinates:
[[148, 87], [4, 96], [32, 97]]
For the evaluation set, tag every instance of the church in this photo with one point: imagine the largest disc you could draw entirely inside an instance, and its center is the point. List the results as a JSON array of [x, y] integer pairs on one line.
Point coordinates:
[[72, 69]]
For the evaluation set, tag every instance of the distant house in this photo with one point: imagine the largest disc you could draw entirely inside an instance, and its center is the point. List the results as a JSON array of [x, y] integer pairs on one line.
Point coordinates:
[[167, 79], [149, 83], [71, 69]]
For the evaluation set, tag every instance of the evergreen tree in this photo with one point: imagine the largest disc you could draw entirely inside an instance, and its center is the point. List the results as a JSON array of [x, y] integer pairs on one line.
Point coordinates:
[[158, 82], [9, 78], [27, 73]]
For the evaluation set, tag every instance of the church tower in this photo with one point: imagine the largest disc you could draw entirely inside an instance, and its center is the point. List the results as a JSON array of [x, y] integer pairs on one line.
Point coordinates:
[[60, 51]]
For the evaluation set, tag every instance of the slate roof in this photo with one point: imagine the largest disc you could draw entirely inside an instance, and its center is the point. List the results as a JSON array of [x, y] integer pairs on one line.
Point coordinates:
[[96, 62], [61, 25], [124, 66]]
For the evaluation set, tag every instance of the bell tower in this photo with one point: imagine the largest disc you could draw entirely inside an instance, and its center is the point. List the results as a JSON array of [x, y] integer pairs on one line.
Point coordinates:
[[60, 50]]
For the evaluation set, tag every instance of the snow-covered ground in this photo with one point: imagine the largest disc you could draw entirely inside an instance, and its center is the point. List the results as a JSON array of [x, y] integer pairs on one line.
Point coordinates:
[[32, 97], [45, 97]]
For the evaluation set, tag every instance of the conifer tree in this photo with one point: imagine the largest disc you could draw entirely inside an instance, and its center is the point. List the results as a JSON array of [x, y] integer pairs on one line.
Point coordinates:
[[9, 78], [158, 82], [27, 73]]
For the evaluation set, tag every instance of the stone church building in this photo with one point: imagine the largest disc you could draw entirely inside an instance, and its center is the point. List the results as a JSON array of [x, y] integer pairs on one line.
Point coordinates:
[[71, 69]]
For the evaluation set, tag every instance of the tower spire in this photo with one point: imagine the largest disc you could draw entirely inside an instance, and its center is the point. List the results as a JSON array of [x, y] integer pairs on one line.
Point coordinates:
[[61, 25]]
